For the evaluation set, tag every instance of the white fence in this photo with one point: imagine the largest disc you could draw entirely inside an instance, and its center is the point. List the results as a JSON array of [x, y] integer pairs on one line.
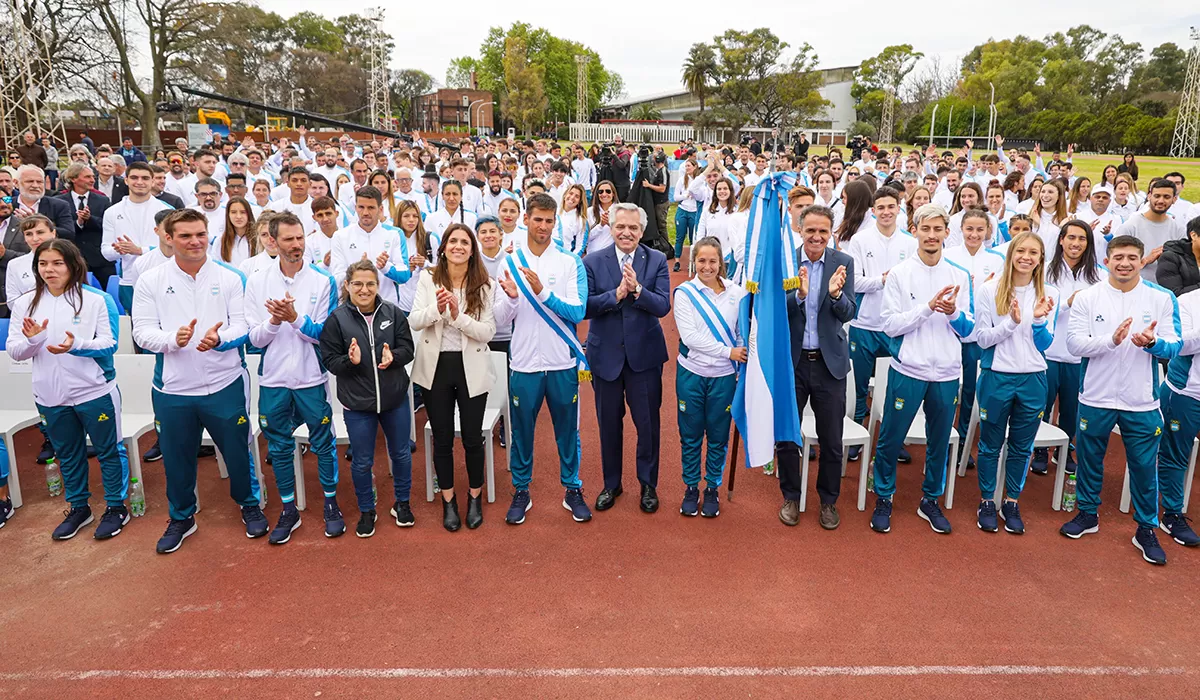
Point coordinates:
[[635, 132]]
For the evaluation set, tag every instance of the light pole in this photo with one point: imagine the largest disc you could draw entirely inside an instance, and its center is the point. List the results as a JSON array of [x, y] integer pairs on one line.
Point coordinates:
[[469, 106], [293, 99], [480, 112]]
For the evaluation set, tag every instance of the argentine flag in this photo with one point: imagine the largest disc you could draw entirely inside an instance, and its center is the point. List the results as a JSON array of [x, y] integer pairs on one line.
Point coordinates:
[[764, 406]]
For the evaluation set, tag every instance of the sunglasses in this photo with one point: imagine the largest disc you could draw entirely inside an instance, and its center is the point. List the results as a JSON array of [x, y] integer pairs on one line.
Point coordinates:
[[604, 191]]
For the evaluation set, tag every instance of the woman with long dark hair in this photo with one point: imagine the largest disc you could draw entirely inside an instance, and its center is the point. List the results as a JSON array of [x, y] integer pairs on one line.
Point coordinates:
[[451, 212], [239, 242], [421, 247], [70, 332], [600, 232], [1129, 165], [857, 196], [454, 365]]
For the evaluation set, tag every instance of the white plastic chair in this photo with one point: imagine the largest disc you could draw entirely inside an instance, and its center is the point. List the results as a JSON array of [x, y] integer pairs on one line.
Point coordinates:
[[125, 336], [1127, 497], [497, 408], [251, 378], [135, 379], [916, 433], [852, 434], [17, 389], [340, 437]]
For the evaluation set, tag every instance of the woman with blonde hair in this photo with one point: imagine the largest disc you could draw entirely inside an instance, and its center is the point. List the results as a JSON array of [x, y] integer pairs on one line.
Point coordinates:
[[1080, 193], [916, 199], [571, 229], [1015, 328]]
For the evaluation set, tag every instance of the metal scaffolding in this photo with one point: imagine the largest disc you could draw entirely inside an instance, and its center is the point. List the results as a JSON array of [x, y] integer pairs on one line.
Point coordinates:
[[1187, 125], [889, 111], [26, 80], [379, 104], [581, 88]]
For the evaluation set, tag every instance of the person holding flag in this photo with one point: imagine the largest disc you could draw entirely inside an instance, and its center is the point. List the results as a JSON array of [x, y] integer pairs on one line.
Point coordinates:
[[928, 306], [545, 295]]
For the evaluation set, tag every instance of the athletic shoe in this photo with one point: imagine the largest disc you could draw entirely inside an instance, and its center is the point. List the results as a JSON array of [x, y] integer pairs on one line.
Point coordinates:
[[256, 523], [1147, 543], [691, 502], [853, 453], [335, 525], [153, 454], [1082, 524], [92, 453], [114, 519], [206, 451], [1173, 524], [77, 517], [366, 524], [904, 457], [932, 513], [986, 516], [403, 514], [177, 532], [712, 504], [6, 511], [289, 520], [675, 268], [881, 519], [1041, 461], [46, 453], [573, 501], [1011, 513], [520, 504]]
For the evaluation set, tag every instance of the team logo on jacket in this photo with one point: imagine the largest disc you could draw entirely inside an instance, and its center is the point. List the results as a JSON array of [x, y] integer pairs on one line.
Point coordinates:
[[170, 290], [1099, 318], [1174, 426], [215, 289], [1083, 423], [1146, 317], [242, 420], [384, 325], [899, 404], [102, 417], [903, 256], [516, 400], [853, 346], [870, 254], [1158, 430], [353, 246], [76, 320], [551, 280], [683, 406], [312, 298], [325, 420], [42, 418], [983, 414], [262, 421], [912, 296]]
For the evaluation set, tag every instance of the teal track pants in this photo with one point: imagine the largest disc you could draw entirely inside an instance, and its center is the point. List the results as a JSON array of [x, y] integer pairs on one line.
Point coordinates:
[[904, 396], [1140, 431], [971, 353], [1009, 404], [1181, 421], [560, 391], [69, 427], [1062, 384], [865, 348], [280, 410], [704, 411]]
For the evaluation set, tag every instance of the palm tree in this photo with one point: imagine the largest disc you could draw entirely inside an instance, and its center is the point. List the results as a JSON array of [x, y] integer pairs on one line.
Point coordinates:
[[699, 68], [645, 112]]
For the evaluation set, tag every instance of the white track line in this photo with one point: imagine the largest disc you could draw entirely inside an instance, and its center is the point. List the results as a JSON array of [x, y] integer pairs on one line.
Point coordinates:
[[567, 673]]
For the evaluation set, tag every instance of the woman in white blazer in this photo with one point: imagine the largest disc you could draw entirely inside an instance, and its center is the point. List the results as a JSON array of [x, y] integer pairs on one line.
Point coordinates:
[[453, 363]]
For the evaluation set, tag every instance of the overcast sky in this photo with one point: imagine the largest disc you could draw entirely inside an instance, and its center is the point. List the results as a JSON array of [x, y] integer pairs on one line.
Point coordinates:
[[429, 34]]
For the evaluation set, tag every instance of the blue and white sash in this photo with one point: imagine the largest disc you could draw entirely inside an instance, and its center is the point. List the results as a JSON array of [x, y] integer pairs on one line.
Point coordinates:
[[708, 311], [561, 329]]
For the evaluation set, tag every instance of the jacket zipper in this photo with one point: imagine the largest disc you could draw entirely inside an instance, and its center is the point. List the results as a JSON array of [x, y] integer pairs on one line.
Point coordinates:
[[374, 365]]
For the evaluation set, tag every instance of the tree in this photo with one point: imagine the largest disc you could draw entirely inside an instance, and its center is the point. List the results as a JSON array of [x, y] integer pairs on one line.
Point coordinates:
[[524, 100], [880, 74], [699, 69], [758, 84], [645, 112], [1164, 71], [458, 75], [407, 85]]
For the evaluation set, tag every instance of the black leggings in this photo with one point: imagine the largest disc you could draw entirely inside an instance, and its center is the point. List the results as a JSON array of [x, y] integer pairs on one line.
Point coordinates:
[[449, 386]]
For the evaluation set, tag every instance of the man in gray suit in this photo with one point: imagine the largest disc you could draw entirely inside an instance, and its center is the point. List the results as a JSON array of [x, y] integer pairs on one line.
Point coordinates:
[[817, 314]]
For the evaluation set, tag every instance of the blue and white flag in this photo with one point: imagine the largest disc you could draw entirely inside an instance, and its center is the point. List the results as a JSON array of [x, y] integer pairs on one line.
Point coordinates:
[[769, 204], [764, 406]]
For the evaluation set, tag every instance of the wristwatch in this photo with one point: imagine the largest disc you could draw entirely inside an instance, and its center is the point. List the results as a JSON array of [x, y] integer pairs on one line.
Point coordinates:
[[638, 292]]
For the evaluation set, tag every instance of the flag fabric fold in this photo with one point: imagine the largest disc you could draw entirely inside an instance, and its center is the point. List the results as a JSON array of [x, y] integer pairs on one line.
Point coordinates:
[[770, 198]]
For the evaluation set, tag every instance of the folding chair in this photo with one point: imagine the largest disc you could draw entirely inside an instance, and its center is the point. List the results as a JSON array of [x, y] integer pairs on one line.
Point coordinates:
[[852, 434], [16, 385], [124, 335], [497, 408]]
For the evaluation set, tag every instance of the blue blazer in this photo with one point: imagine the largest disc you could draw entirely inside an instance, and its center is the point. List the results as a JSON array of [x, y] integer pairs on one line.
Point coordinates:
[[831, 316], [629, 330]]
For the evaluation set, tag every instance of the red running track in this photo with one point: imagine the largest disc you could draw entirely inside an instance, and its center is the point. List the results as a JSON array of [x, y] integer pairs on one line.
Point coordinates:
[[628, 605]]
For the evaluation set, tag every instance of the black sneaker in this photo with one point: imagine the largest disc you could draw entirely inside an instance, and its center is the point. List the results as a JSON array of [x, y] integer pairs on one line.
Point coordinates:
[[114, 519], [691, 502], [256, 523], [1174, 524], [987, 516], [1041, 461], [335, 524], [6, 511], [712, 504], [881, 519], [206, 451], [573, 501], [47, 452], [932, 513], [675, 268], [1011, 513], [521, 503], [366, 524], [403, 514], [289, 520], [153, 454], [177, 532], [77, 517], [1082, 524], [92, 453], [1147, 543], [904, 457]]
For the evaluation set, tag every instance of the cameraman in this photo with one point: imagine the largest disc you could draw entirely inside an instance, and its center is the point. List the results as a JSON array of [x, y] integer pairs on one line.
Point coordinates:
[[656, 181], [620, 167]]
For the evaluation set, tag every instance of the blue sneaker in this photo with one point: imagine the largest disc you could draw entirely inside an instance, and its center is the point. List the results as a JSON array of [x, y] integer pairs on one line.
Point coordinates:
[[691, 502], [256, 523], [177, 532], [6, 511], [335, 524], [115, 518], [77, 517], [1011, 512], [986, 516], [1082, 524], [1147, 543], [712, 504], [1174, 524], [573, 501], [520, 504], [289, 520], [881, 519], [932, 513]]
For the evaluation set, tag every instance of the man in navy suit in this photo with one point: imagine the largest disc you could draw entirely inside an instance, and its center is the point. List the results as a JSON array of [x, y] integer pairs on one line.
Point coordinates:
[[33, 200], [629, 290], [88, 207], [817, 314]]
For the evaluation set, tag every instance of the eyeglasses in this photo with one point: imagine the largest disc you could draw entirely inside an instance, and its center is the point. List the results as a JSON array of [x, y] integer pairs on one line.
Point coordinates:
[[206, 194], [358, 284]]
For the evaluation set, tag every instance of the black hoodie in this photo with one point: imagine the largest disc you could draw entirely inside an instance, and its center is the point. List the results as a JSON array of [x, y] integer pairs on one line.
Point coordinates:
[[365, 387], [1178, 270]]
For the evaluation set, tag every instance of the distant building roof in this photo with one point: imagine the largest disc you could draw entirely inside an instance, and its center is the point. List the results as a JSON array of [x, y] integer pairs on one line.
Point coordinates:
[[631, 101]]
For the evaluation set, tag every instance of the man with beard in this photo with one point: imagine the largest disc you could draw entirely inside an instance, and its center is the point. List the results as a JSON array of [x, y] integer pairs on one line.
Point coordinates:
[[180, 181], [495, 193], [1154, 227]]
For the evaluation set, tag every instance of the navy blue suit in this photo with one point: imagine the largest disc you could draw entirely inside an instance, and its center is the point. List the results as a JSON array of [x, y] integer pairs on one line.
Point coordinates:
[[626, 351], [89, 236]]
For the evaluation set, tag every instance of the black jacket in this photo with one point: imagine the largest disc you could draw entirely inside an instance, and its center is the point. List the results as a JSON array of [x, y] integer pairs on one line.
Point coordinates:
[[365, 387], [89, 236], [1178, 270]]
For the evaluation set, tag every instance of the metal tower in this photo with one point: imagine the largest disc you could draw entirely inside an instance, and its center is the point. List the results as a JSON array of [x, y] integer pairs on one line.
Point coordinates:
[[581, 88], [1187, 125], [379, 106], [889, 109], [26, 80]]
